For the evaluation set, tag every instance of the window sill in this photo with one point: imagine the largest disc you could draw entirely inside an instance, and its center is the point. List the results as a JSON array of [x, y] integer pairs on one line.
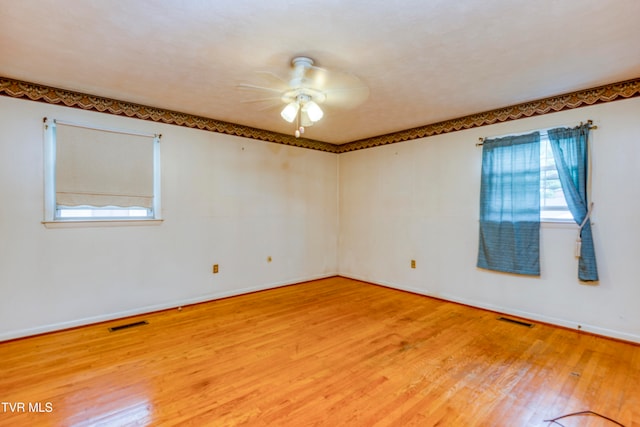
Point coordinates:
[[75, 223], [558, 223]]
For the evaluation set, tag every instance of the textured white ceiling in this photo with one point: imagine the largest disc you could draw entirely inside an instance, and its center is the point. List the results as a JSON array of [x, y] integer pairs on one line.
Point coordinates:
[[424, 60]]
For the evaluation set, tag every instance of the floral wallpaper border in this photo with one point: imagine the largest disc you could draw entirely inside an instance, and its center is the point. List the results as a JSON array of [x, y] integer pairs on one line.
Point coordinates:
[[51, 95], [583, 98]]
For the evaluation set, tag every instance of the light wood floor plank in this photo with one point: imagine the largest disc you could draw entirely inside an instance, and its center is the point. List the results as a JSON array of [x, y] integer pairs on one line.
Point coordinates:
[[333, 352]]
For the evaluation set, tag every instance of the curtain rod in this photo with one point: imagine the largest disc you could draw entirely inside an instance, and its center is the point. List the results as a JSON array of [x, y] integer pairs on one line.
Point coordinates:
[[589, 122], [104, 129]]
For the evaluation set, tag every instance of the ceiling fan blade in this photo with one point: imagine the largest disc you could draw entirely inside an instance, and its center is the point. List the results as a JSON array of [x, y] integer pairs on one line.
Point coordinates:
[[247, 86], [307, 82], [317, 77], [274, 80], [342, 89], [257, 100], [267, 104], [339, 80], [346, 97]]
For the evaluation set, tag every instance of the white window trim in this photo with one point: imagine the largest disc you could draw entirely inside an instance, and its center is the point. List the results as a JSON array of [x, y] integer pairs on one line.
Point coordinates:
[[73, 223], [565, 224], [51, 221]]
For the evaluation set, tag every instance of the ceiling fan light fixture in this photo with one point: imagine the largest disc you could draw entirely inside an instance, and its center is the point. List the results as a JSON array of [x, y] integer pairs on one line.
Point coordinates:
[[313, 110], [290, 111], [307, 88], [304, 118]]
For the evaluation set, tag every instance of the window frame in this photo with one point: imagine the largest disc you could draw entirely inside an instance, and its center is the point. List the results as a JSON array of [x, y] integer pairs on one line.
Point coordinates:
[[52, 217]]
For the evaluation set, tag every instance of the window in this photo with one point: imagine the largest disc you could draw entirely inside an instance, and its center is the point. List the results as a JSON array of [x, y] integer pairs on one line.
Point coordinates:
[[95, 174], [522, 185], [553, 206]]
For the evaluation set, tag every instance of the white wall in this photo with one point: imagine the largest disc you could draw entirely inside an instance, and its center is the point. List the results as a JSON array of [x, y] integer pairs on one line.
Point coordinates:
[[235, 201], [226, 200], [420, 200]]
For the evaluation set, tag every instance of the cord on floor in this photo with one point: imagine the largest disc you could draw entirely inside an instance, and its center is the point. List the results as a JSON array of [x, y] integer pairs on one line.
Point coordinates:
[[555, 420]]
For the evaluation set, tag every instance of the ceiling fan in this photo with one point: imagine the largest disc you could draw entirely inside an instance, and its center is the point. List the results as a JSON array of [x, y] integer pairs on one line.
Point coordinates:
[[308, 90]]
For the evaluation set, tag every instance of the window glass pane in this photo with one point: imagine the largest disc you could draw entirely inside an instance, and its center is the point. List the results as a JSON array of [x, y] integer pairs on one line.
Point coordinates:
[[553, 205], [102, 212]]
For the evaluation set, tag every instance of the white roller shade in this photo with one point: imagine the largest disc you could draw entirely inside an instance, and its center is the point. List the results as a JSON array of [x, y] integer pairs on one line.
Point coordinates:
[[103, 168]]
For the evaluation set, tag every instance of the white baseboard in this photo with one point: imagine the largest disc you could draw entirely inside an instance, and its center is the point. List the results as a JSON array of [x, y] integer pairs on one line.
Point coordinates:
[[570, 324], [152, 308], [565, 323]]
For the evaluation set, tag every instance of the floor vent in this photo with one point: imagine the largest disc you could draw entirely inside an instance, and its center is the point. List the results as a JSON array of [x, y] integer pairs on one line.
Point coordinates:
[[516, 322], [128, 325]]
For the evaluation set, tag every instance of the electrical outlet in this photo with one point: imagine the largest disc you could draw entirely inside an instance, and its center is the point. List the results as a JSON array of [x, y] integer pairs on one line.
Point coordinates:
[[215, 268], [413, 263]]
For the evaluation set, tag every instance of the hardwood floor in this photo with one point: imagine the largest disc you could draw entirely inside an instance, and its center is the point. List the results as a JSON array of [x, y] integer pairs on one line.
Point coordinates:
[[333, 352]]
